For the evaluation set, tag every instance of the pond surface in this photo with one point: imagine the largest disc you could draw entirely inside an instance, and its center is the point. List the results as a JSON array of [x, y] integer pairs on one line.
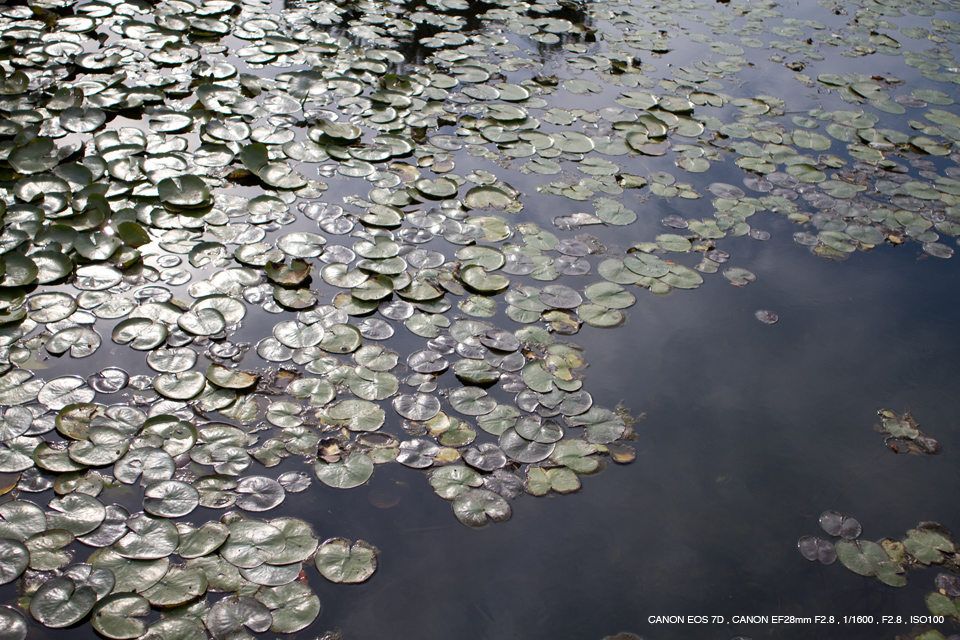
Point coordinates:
[[480, 320]]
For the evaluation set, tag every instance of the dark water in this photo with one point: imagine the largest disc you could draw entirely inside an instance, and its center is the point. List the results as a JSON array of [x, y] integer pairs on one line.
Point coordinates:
[[746, 432], [751, 431]]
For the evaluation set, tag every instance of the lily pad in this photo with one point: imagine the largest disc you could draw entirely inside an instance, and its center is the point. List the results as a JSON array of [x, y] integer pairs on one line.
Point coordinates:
[[116, 616], [14, 558], [351, 471], [474, 507], [60, 603], [341, 561], [228, 618], [292, 606]]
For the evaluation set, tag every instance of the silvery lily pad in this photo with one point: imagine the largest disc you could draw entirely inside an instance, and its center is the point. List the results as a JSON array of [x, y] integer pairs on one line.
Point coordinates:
[[486, 456], [60, 603], [109, 380], [292, 606], [179, 386], [170, 499], [149, 538], [523, 450], [351, 471], [815, 549], [474, 506], [294, 481], [471, 401], [259, 493], [196, 542], [13, 626], [116, 616], [417, 453], [419, 407], [14, 558], [228, 618], [837, 524], [178, 586]]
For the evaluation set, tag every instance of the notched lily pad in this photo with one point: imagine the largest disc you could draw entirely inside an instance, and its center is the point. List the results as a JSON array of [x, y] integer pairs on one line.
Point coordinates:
[[474, 507], [60, 603], [339, 560]]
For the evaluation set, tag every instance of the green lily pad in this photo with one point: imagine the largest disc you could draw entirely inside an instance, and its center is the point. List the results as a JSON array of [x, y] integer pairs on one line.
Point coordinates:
[[150, 538], [541, 481], [599, 316], [251, 543], [927, 546], [357, 415], [14, 558], [170, 499], [231, 378], [351, 471], [862, 557], [612, 212], [116, 616], [477, 279], [292, 606], [474, 507], [142, 334], [575, 455], [229, 617], [196, 542], [60, 603], [177, 587], [340, 561], [489, 197], [131, 574], [941, 605], [471, 401], [21, 519], [449, 482]]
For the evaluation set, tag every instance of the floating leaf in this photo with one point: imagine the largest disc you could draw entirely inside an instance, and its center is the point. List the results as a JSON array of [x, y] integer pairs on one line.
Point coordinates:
[[178, 586], [869, 559], [292, 606], [251, 543], [14, 558], [474, 506], [65, 390], [258, 493], [449, 482], [814, 549], [116, 616], [59, 602], [142, 334], [352, 471], [340, 561], [13, 626], [229, 617], [170, 499], [927, 545], [471, 401], [562, 480]]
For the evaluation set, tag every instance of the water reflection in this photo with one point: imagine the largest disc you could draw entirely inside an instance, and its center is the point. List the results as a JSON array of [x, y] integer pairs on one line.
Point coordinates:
[[752, 430], [428, 29]]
